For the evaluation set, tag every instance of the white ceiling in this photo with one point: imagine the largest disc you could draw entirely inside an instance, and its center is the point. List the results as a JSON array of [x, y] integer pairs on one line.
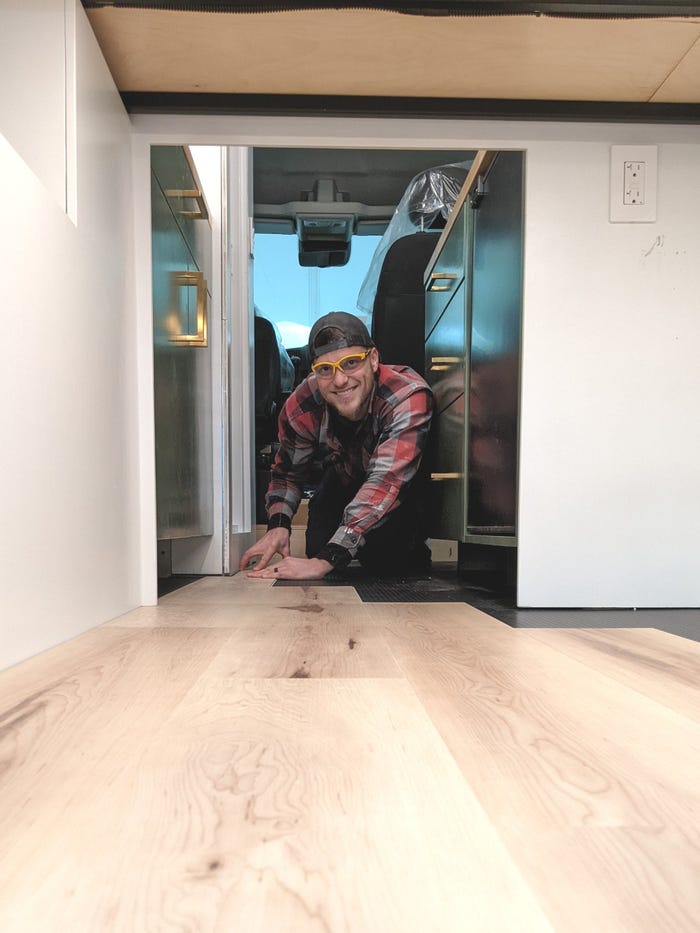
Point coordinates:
[[368, 52]]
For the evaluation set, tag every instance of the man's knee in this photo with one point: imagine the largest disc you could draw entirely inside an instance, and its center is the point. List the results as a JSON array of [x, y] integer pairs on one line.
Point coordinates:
[[383, 561], [326, 508]]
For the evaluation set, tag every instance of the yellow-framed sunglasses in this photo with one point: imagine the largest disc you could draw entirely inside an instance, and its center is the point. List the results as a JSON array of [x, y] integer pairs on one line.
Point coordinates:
[[348, 365]]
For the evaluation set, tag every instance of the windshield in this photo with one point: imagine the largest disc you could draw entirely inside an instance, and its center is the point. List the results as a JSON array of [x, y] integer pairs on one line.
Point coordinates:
[[293, 297]]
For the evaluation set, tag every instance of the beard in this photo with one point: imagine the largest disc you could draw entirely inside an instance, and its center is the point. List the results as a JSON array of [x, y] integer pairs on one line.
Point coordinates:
[[351, 404]]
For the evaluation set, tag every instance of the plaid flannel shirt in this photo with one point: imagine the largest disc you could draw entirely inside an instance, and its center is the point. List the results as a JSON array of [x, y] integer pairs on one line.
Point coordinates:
[[383, 454]]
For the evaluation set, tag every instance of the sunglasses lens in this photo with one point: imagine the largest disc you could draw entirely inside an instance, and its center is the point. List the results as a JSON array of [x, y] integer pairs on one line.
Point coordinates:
[[351, 363]]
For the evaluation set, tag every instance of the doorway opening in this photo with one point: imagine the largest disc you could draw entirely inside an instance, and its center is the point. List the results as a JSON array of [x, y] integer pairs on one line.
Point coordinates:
[[303, 267]]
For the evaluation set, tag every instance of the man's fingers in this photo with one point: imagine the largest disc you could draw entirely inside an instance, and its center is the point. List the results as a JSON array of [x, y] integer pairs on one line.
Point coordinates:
[[250, 557], [268, 573], [275, 541], [255, 556], [264, 560]]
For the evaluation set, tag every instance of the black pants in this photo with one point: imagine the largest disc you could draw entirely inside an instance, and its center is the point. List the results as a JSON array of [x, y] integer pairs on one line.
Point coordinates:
[[396, 547]]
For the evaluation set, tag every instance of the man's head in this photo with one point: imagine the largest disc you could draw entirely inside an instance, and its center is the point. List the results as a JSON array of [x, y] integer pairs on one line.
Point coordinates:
[[342, 338], [337, 330]]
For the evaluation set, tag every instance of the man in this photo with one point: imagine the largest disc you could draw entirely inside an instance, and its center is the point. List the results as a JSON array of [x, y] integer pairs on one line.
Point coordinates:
[[364, 425]]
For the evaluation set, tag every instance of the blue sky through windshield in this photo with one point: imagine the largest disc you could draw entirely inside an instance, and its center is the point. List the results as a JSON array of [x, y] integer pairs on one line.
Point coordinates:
[[293, 296]]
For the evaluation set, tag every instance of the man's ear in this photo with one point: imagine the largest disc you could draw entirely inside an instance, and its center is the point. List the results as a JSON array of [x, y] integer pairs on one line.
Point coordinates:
[[374, 359]]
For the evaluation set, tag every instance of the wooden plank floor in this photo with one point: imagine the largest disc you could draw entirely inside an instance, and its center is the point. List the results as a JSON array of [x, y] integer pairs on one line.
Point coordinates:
[[258, 758]]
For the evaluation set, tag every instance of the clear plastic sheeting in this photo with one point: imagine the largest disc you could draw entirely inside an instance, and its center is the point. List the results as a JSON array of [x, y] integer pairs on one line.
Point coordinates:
[[425, 205]]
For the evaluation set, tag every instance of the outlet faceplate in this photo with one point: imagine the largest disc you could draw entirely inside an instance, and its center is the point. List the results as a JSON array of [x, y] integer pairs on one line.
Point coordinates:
[[633, 184]]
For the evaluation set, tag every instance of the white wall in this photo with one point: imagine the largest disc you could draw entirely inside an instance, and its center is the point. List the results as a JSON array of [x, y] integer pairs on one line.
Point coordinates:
[[610, 447], [34, 32], [69, 556], [609, 503]]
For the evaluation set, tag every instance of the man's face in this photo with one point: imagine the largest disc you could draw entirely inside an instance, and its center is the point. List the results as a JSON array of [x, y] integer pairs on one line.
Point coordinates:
[[349, 394]]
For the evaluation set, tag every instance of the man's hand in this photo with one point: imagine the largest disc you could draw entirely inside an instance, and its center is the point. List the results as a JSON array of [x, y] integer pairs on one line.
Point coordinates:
[[295, 568], [274, 541]]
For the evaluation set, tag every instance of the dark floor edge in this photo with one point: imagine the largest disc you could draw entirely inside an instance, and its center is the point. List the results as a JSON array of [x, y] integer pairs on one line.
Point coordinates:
[[177, 581]]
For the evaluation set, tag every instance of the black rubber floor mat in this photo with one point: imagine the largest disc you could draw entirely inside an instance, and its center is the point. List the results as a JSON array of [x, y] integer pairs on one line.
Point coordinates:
[[437, 586], [427, 588]]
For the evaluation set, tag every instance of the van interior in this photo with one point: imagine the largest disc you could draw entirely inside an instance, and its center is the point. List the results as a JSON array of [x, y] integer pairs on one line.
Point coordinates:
[[357, 230], [407, 755]]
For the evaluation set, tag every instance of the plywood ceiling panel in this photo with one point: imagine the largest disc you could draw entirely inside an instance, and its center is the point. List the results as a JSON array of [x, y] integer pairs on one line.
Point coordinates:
[[683, 81], [387, 54]]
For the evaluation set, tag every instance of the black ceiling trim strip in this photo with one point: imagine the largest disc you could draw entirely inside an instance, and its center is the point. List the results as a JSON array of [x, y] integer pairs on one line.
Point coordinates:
[[590, 9], [423, 107]]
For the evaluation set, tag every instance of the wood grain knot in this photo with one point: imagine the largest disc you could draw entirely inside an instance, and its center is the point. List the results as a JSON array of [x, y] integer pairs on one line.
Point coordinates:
[[305, 607]]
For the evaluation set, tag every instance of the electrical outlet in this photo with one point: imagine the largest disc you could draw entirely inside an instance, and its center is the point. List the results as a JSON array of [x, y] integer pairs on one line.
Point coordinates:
[[633, 171], [633, 188]]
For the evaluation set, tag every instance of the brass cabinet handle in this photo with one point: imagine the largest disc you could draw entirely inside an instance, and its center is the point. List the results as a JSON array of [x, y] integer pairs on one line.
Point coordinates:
[[196, 195], [443, 363], [436, 477], [193, 280], [436, 276]]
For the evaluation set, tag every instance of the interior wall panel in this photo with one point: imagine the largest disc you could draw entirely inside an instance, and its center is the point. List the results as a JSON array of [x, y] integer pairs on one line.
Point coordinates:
[[69, 551], [33, 101], [610, 452]]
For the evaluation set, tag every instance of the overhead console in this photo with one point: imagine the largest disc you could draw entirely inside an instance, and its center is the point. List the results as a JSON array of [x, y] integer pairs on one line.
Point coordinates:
[[324, 222]]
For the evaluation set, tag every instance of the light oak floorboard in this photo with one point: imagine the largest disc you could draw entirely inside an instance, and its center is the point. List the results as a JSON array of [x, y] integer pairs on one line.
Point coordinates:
[[242, 590], [233, 612], [436, 770], [314, 640], [264, 806], [323, 645], [593, 786], [662, 666], [60, 715]]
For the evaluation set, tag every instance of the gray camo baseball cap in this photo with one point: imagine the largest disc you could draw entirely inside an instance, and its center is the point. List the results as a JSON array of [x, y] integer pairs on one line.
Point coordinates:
[[352, 333]]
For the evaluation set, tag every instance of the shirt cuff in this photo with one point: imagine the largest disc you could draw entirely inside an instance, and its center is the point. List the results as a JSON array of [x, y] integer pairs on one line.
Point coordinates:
[[338, 557], [280, 520], [349, 539]]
